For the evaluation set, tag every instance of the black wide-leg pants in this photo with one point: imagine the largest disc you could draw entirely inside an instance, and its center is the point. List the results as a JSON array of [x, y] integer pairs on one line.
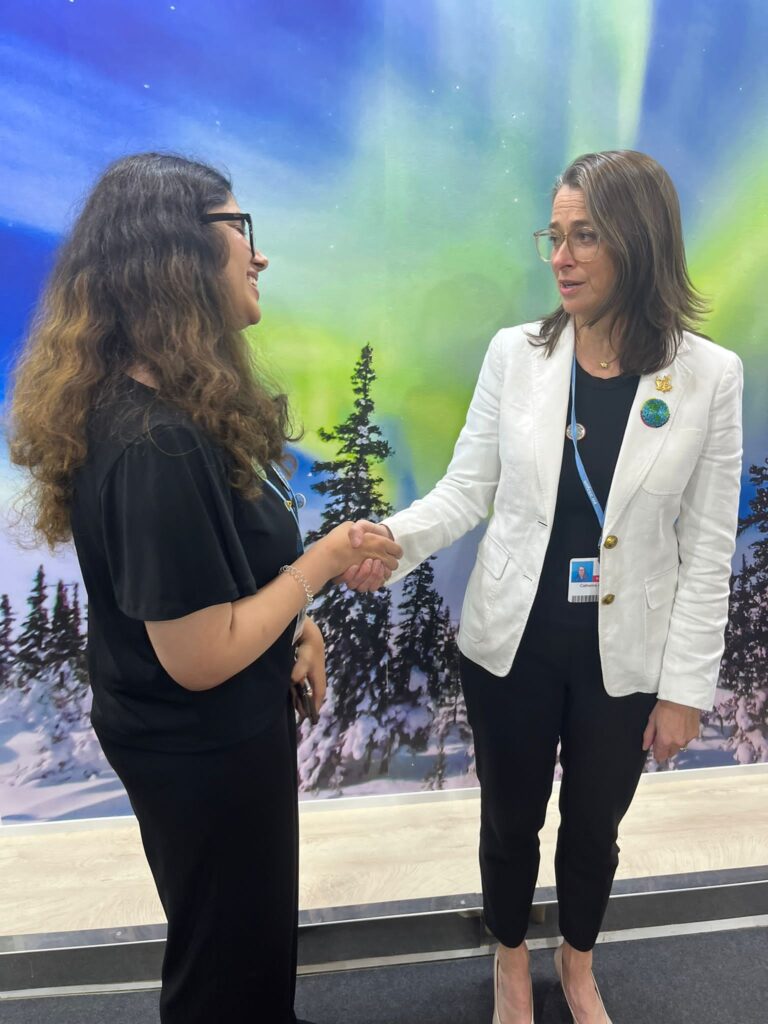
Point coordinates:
[[220, 831], [553, 692]]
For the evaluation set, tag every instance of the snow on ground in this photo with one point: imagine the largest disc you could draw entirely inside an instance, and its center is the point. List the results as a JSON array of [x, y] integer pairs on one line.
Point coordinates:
[[44, 800], [61, 799], [50, 773]]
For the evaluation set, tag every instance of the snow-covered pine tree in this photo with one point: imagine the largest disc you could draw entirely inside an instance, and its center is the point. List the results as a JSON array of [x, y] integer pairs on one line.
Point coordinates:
[[32, 641], [67, 642], [60, 647], [64, 660], [421, 610], [757, 518], [418, 665], [451, 733], [344, 743], [51, 711], [79, 640], [743, 671], [7, 619], [77, 618]]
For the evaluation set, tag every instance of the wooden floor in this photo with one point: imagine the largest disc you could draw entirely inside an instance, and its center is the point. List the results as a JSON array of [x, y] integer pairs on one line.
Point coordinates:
[[85, 875]]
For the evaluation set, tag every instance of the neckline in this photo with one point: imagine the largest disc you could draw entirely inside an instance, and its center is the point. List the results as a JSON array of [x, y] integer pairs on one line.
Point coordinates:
[[603, 383]]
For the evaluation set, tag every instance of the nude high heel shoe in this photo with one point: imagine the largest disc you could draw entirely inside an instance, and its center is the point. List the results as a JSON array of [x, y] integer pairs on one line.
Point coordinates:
[[559, 969], [496, 1017]]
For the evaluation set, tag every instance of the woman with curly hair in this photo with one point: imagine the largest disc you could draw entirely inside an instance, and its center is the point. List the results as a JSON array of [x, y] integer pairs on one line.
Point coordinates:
[[153, 442]]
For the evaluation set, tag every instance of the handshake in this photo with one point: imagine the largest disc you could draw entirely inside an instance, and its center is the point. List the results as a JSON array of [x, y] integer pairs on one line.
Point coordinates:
[[375, 558]]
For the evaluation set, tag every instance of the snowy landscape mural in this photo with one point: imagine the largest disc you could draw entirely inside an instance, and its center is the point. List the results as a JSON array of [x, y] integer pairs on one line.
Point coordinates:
[[394, 719], [396, 158]]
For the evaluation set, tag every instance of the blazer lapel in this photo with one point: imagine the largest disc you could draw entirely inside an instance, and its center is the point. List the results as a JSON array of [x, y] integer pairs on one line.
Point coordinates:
[[551, 385], [642, 444]]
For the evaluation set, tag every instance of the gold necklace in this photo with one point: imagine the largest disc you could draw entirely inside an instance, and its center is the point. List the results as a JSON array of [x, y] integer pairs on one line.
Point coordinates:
[[603, 363], [606, 363]]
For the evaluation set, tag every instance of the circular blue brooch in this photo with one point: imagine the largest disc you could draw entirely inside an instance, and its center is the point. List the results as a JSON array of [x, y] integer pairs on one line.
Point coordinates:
[[655, 412]]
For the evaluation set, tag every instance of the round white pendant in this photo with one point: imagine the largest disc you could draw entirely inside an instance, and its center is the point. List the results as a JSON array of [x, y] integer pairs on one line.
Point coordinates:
[[581, 432]]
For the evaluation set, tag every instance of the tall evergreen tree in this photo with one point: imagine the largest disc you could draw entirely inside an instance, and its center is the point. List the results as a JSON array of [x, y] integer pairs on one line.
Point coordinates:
[[449, 682], [7, 619], [757, 517], [32, 642], [746, 640], [66, 642], [356, 625], [78, 638], [51, 704], [77, 618], [60, 638], [743, 670], [450, 722], [418, 665], [64, 654], [418, 640]]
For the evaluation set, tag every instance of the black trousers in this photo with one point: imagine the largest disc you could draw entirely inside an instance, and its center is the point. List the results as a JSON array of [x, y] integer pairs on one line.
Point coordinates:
[[554, 691], [220, 831]]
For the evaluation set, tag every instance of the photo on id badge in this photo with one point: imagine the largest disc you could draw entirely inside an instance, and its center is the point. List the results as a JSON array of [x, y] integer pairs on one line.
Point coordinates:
[[583, 580]]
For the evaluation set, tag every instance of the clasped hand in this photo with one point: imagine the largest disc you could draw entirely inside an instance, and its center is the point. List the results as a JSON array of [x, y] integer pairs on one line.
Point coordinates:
[[372, 573], [309, 666]]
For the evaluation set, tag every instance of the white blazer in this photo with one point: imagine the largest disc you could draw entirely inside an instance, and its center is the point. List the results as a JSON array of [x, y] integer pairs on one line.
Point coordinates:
[[671, 514]]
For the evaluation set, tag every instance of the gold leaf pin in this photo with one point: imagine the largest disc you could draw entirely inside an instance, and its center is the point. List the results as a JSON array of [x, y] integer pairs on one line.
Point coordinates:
[[663, 383]]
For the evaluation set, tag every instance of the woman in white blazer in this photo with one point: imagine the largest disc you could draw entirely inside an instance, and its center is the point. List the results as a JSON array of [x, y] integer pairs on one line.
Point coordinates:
[[595, 612]]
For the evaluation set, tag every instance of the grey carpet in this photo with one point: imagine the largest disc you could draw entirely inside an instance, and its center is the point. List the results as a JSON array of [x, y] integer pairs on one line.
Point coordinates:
[[715, 978]]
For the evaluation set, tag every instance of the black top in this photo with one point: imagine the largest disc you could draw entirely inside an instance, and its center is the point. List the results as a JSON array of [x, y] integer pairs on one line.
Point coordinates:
[[159, 534], [602, 407]]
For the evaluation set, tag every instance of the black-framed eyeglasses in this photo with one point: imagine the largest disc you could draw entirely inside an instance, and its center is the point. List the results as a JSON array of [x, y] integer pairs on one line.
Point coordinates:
[[243, 218], [583, 243]]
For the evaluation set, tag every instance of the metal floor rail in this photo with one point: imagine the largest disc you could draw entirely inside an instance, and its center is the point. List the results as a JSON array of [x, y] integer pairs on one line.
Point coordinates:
[[348, 938]]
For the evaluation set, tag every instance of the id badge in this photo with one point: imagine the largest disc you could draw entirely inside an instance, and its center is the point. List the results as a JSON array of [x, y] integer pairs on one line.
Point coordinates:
[[583, 580]]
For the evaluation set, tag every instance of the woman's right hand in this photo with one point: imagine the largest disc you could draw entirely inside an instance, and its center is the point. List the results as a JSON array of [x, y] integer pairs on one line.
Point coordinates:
[[370, 574], [347, 547]]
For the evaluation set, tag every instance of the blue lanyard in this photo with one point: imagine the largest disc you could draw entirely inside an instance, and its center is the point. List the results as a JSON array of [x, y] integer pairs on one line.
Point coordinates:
[[579, 464], [293, 502]]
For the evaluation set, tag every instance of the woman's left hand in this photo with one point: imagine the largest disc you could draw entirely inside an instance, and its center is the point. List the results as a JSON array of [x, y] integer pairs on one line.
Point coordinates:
[[310, 661], [670, 728]]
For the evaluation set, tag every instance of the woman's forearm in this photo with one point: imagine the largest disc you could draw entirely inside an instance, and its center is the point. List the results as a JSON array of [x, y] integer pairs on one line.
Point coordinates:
[[204, 649]]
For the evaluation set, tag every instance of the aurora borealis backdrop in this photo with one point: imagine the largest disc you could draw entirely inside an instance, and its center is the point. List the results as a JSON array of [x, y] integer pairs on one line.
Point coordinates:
[[396, 156]]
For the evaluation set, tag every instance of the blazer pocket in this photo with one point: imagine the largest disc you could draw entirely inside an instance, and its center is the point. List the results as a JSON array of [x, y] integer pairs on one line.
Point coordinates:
[[483, 587], [660, 593], [672, 468], [493, 556]]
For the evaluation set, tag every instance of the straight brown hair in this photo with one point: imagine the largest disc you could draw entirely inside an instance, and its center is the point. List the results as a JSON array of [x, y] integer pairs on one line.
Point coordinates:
[[635, 209]]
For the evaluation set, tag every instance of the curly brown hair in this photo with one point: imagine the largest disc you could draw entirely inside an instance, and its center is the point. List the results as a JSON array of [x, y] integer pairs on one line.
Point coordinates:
[[634, 206], [138, 283]]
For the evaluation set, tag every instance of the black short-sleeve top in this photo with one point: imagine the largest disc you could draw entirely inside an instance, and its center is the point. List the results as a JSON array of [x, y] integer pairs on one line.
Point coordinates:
[[160, 533]]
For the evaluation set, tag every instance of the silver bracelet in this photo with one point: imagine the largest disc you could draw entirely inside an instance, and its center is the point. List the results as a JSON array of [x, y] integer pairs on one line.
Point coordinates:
[[301, 579]]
